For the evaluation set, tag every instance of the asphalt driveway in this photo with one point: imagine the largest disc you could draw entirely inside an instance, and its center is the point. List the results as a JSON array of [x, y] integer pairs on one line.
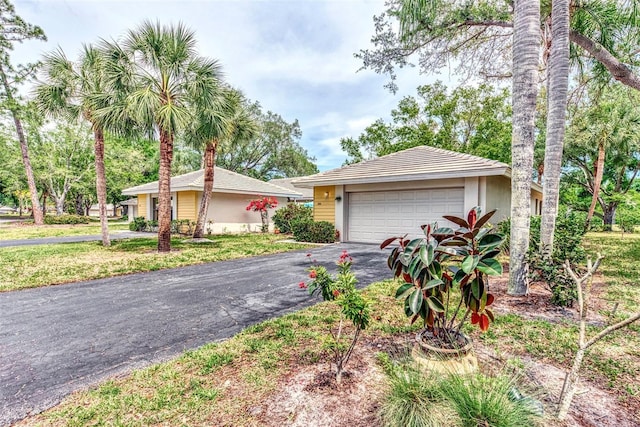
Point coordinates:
[[59, 339]]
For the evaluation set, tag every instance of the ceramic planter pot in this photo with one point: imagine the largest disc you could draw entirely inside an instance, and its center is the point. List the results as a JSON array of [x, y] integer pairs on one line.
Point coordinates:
[[434, 359]]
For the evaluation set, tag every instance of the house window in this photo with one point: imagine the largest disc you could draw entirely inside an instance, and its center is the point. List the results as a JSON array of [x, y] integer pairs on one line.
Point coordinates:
[[154, 208]]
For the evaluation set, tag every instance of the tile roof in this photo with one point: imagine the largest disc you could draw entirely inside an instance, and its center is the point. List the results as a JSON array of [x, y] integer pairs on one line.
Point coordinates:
[[418, 163], [225, 181], [307, 193]]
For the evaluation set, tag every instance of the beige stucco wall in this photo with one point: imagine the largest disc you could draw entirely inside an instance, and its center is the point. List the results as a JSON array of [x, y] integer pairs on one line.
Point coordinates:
[[536, 202], [498, 197], [229, 214]]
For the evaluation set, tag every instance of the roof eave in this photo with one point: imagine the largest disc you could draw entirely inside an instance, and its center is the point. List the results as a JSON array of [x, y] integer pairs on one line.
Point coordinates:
[[310, 183]]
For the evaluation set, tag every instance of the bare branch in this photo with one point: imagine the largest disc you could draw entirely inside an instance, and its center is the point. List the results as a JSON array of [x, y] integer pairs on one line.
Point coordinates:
[[618, 70]]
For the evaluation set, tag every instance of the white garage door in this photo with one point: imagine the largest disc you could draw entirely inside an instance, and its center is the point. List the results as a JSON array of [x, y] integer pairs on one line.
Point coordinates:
[[376, 215]]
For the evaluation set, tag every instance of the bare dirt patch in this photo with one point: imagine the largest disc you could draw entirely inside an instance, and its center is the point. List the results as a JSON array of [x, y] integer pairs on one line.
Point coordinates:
[[309, 396]]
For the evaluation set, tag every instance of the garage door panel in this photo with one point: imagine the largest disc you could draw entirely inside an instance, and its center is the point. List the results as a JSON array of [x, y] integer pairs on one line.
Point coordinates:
[[374, 216]]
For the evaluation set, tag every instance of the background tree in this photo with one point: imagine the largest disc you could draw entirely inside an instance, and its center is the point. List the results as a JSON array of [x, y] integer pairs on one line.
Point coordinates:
[[225, 122], [473, 120], [14, 29], [477, 36], [164, 77], [12, 177], [63, 158], [130, 161], [275, 153], [603, 152]]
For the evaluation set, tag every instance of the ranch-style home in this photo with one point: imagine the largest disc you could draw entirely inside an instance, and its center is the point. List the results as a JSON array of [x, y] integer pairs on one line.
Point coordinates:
[[395, 194], [227, 212]]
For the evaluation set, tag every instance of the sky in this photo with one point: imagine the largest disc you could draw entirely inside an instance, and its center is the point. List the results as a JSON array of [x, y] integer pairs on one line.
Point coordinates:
[[295, 57]]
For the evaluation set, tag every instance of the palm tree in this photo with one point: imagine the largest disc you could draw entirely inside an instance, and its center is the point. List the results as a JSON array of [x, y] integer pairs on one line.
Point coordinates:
[[227, 121], [165, 81], [558, 74], [76, 91], [526, 48]]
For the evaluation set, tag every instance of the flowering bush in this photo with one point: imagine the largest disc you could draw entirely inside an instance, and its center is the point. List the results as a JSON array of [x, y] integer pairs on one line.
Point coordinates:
[[342, 290], [262, 205]]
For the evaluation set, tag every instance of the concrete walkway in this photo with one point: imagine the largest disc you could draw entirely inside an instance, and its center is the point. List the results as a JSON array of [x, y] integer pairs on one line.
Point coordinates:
[[73, 239], [59, 339]]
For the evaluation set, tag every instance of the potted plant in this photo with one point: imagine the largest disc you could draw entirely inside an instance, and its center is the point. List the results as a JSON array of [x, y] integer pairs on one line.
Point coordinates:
[[445, 280]]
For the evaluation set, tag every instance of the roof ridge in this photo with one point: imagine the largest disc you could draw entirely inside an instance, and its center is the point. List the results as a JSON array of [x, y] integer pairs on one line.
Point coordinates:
[[460, 154], [250, 177]]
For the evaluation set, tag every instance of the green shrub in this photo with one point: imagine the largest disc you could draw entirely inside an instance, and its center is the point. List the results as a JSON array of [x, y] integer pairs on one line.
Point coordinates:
[[416, 399], [285, 217], [627, 220], [66, 219], [314, 231], [138, 224], [568, 237], [182, 226]]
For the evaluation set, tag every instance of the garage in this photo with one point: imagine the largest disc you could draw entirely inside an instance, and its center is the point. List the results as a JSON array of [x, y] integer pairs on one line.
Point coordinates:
[[376, 215], [394, 195]]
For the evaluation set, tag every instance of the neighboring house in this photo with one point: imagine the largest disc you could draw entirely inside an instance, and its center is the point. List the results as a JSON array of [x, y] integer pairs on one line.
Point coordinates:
[[395, 194], [4, 210], [130, 208], [95, 211], [306, 193], [227, 212]]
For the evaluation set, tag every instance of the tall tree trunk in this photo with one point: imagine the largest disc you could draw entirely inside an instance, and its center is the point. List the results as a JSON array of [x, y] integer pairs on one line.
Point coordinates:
[[44, 203], [526, 45], [79, 208], [59, 205], [597, 181], [556, 112], [38, 217], [101, 183], [209, 168], [609, 216], [164, 192]]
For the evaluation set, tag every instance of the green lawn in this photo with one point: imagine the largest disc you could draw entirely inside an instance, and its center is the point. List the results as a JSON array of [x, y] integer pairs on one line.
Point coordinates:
[[43, 265], [219, 383], [13, 231]]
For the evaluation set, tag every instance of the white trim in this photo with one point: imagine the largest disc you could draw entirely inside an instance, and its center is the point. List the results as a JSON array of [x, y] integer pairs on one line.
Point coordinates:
[[340, 210], [397, 178], [471, 193]]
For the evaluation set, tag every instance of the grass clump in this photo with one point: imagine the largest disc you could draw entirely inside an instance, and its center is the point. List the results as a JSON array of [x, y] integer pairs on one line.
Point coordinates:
[[416, 399]]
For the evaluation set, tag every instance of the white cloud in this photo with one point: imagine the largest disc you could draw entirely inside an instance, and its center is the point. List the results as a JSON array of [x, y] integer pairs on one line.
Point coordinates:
[[295, 57]]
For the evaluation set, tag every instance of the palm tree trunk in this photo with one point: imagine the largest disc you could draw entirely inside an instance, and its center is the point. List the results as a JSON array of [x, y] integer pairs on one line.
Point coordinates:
[[101, 183], [558, 86], [209, 168], [164, 192], [38, 217], [526, 45], [597, 180]]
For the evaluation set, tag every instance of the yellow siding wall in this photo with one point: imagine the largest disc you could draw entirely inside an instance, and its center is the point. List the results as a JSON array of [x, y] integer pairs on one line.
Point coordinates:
[[187, 205], [142, 205], [324, 208]]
